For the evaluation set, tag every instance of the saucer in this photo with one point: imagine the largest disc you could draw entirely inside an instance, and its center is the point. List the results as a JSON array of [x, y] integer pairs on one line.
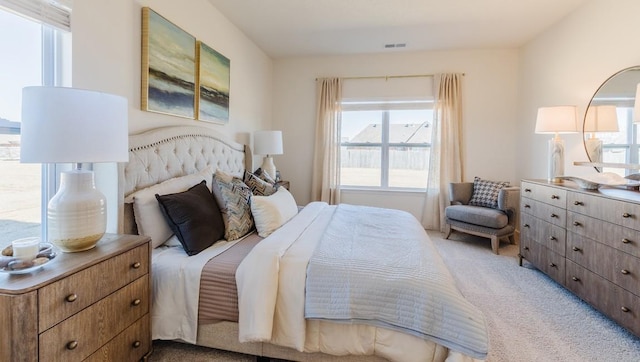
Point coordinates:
[[11, 265]]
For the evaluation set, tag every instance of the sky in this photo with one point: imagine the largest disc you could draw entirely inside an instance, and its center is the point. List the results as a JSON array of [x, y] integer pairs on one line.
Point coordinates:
[[20, 63]]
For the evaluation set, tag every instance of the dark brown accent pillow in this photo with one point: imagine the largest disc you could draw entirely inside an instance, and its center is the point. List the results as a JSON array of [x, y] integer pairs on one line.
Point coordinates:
[[194, 217]]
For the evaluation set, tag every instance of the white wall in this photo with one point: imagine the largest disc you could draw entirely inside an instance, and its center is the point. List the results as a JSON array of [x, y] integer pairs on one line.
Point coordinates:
[[490, 98], [107, 57], [565, 65]]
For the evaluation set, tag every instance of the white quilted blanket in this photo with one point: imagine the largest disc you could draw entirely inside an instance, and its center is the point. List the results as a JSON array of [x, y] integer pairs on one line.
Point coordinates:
[[271, 298], [377, 266]]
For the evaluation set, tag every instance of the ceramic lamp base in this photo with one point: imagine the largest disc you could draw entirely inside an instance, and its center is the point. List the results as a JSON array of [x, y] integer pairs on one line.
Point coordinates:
[[77, 213], [269, 167], [556, 159]]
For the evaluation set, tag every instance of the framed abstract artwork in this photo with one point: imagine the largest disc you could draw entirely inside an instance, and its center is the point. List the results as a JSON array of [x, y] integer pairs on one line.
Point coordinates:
[[212, 91], [168, 67]]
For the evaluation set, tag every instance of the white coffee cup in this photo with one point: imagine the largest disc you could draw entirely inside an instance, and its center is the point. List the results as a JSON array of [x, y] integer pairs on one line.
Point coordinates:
[[26, 248]]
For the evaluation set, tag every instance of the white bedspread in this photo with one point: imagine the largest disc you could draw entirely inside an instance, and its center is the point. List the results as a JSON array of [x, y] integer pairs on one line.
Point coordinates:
[[176, 287], [271, 293]]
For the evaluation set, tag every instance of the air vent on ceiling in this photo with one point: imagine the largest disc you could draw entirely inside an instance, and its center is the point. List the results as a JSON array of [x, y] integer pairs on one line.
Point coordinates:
[[396, 45]]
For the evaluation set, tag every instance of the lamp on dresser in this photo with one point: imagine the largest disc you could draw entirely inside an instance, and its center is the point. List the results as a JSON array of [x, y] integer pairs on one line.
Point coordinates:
[[268, 143], [599, 119], [556, 120], [69, 125]]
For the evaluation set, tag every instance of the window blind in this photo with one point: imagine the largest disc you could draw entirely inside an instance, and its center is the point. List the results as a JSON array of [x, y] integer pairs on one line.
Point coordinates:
[[56, 13]]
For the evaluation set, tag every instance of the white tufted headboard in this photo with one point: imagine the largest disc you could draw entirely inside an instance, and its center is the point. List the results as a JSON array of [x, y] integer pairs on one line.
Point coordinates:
[[167, 152]]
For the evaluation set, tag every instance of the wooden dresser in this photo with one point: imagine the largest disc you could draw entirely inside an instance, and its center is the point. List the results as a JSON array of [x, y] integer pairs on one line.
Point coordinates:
[[86, 306], [588, 241]]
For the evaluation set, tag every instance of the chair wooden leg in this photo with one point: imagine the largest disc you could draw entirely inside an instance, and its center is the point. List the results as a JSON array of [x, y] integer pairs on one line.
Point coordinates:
[[512, 239], [447, 231], [495, 242]]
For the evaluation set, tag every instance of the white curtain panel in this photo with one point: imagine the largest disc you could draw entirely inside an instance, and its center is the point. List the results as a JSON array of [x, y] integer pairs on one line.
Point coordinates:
[[325, 184], [445, 164]]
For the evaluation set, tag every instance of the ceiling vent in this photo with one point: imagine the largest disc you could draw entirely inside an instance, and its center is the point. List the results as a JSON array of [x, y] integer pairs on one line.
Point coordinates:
[[396, 45]]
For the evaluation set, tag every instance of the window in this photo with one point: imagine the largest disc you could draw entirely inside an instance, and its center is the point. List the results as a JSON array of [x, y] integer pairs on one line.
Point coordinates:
[[32, 55], [385, 145]]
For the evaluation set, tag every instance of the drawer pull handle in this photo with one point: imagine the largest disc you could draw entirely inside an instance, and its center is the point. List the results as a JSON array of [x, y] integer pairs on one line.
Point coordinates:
[[72, 345], [136, 265], [575, 223], [624, 271], [553, 238], [553, 265], [71, 298], [625, 309], [626, 215], [575, 279], [626, 241], [136, 302], [527, 190], [527, 206], [554, 215], [578, 203], [526, 248], [575, 248], [136, 344], [555, 197], [526, 225]]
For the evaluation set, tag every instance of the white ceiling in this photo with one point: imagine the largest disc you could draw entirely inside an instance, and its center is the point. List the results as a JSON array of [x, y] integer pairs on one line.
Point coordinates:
[[319, 27]]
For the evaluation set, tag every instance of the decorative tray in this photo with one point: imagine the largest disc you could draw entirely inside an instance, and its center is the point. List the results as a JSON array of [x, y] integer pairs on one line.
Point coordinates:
[[12, 265], [603, 179]]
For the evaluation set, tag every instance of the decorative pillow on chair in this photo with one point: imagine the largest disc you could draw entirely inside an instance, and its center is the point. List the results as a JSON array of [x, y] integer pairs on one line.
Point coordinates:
[[257, 185], [194, 217], [485, 192], [233, 196]]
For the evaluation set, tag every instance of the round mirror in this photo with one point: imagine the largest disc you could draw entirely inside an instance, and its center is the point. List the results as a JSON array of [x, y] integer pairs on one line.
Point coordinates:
[[608, 127]]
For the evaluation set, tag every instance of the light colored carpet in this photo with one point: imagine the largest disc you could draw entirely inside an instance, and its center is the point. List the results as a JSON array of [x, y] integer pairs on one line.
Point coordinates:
[[529, 316]]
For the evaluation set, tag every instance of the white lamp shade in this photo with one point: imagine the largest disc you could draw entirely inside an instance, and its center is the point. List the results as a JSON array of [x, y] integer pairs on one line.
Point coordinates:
[[68, 125], [559, 119], [601, 119], [267, 143]]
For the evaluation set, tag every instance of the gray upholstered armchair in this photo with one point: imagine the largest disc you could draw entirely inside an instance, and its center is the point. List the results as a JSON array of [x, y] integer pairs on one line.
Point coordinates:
[[493, 223]]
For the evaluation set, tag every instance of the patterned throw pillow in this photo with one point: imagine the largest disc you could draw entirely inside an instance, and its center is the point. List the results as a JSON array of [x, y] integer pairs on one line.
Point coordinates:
[[233, 197], [485, 192], [263, 175], [258, 186]]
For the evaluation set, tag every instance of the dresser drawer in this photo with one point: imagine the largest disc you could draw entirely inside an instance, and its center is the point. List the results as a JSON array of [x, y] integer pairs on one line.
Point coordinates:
[[82, 334], [130, 345], [68, 296], [617, 303], [618, 267], [549, 213], [546, 194], [544, 259], [615, 236], [547, 234], [622, 213]]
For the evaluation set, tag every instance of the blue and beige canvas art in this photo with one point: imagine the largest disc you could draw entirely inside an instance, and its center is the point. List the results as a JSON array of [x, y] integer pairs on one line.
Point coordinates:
[[213, 85]]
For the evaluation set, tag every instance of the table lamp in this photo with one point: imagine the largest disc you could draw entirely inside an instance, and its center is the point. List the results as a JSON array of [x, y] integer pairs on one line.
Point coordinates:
[[68, 125], [268, 143], [599, 119], [556, 120]]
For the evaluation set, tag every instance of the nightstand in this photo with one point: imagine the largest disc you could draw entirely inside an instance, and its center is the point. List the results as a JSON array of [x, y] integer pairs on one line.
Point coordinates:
[[284, 184], [91, 305]]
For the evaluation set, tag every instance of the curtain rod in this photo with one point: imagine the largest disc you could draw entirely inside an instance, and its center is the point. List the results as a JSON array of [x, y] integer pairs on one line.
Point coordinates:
[[390, 76]]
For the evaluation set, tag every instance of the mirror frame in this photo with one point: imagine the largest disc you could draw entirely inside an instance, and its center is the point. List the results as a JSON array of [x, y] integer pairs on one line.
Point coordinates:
[[589, 105]]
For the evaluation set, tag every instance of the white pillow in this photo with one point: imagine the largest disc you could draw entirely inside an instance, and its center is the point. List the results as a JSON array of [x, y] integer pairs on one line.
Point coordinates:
[[271, 212], [147, 212]]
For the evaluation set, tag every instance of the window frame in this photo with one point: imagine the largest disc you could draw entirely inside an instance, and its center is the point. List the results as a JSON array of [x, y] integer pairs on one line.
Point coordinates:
[[385, 107]]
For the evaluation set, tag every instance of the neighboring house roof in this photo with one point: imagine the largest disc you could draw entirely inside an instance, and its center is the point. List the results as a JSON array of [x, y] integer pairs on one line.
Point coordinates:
[[398, 133], [9, 127]]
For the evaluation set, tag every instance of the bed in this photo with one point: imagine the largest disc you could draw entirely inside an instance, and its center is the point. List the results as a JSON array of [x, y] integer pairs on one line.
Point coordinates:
[[263, 282]]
